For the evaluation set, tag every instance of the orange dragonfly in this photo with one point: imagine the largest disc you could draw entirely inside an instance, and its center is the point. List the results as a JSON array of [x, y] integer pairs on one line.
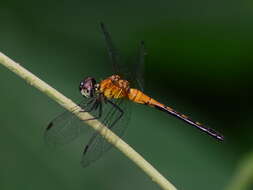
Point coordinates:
[[108, 101]]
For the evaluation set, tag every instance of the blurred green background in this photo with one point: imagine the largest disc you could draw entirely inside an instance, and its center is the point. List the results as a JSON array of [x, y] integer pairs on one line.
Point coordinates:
[[199, 62]]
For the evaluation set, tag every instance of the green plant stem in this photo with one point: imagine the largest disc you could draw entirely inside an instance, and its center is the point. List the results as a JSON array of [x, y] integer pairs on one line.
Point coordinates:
[[95, 124]]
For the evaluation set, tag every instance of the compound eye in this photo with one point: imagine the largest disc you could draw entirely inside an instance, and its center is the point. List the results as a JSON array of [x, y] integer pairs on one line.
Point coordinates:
[[87, 87], [87, 93]]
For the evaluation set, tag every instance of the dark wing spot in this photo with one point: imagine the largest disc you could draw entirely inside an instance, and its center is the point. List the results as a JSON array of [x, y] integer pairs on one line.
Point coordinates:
[[85, 149], [49, 126]]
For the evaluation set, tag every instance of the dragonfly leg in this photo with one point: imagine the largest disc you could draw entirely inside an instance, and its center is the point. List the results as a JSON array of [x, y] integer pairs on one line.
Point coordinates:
[[94, 104], [119, 109], [110, 127], [98, 105]]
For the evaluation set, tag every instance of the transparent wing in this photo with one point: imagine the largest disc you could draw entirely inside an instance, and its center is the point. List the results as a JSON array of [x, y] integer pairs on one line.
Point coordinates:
[[135, 73], [117, 65], [113, 52], [97, 145], [67, 127], [137, 76], [140, 67]]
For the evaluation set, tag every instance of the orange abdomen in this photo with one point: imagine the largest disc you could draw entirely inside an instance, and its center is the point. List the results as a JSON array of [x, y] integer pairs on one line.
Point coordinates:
[[139, 97]]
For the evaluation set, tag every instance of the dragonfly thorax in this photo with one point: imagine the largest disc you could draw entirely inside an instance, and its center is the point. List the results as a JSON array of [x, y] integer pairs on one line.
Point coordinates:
[[114, 87], [88, 87]]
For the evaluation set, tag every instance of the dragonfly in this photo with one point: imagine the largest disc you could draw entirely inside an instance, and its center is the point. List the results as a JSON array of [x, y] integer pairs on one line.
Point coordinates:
[[109, 101]]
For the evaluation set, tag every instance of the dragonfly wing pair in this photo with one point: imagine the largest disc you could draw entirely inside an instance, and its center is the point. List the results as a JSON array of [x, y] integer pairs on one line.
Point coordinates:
[[114, 113]]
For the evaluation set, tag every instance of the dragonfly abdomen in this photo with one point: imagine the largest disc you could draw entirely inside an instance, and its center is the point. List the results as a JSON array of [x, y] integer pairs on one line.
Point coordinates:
[[139, 97], [188, 120]]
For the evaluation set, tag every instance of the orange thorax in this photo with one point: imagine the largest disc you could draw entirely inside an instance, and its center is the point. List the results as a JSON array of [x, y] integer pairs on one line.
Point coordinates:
[[114, 87]]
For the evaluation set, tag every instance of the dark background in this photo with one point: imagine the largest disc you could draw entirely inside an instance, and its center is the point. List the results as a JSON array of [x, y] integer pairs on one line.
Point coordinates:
[[199, 62]]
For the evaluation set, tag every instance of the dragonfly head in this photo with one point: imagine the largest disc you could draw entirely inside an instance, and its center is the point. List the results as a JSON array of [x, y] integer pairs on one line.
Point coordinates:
[[88, 87]]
